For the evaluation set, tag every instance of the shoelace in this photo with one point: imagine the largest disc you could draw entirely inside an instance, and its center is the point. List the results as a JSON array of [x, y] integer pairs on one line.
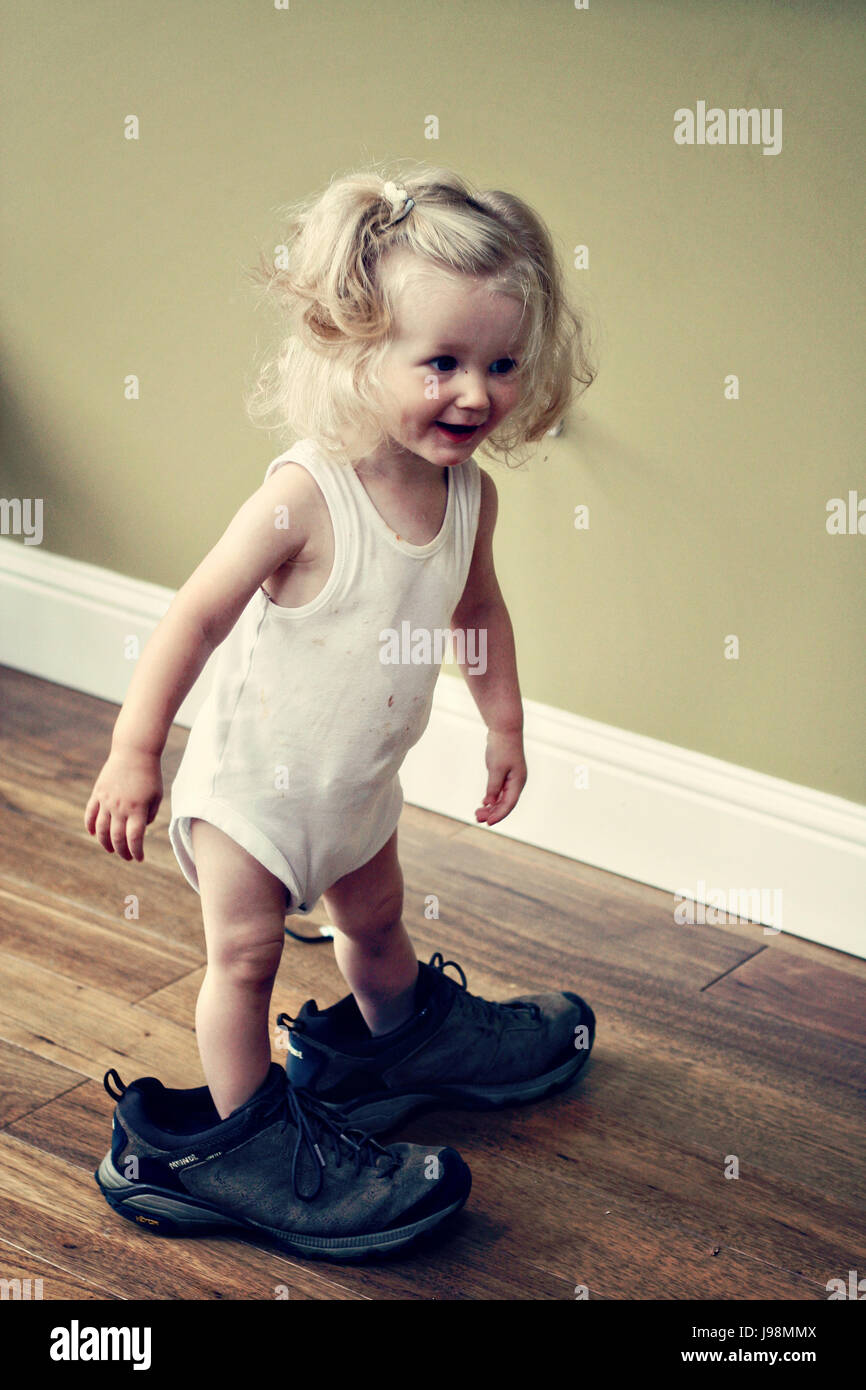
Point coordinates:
[[486, 1007], [314, 1123]]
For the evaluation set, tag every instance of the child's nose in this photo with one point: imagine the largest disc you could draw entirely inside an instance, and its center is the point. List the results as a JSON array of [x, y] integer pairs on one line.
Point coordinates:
[[472, 393]]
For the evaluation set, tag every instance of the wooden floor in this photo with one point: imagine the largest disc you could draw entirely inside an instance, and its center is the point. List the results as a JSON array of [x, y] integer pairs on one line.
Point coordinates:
[[711, 1042]]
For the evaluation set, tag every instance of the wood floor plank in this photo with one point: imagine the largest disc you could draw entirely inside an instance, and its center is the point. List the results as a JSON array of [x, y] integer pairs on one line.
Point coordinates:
[[76, 872], [790, 988], [579, 883], [763, 1216], [29, 1082], [502, 908], [119, 954], [88, 1029], [565, 1230], [38, 1279], [53, 742]]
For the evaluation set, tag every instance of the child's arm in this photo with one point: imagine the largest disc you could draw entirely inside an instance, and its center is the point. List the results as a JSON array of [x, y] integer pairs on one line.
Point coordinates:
[[128, 790], [496, 691]]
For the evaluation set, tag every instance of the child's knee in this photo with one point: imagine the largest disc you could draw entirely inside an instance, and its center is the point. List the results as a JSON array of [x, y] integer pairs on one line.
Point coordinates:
[[374, 928], [247, 964]]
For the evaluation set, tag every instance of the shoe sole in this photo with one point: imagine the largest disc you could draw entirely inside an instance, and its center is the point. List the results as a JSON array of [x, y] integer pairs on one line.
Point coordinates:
[[162, 1212], [377, 1114]]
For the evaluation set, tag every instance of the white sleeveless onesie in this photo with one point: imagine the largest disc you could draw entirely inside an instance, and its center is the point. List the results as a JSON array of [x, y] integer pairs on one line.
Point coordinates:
[[295, 751]]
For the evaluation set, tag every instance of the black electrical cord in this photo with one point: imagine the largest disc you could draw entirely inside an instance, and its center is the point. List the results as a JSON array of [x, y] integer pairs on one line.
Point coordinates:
[[310, 940]]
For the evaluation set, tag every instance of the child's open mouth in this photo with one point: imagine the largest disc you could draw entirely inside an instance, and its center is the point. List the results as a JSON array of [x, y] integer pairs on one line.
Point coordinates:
[[456, 431]]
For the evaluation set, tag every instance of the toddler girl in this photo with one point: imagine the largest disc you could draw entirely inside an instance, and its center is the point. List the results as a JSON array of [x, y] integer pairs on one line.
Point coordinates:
[[425, 321]]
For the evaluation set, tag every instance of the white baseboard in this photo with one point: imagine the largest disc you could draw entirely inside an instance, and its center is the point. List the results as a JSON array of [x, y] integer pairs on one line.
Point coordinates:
[[683, 822]]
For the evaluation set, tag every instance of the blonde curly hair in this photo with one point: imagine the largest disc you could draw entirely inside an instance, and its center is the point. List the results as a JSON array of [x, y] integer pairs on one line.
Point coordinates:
[[325, 281]]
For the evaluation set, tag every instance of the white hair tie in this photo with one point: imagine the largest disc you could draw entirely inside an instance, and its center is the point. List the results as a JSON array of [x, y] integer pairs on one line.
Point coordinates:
[[397, 197]]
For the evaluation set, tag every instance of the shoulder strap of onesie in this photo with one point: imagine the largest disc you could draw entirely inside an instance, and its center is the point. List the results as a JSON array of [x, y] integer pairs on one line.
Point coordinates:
[[473, 496], [299, 452], [321, 467], [469, 496], [328, 473]]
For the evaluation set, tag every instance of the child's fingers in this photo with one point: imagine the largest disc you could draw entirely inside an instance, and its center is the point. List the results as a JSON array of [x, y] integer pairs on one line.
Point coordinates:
[[502, 797], [135, 836], [102, 829], [119, 830], [111, 833], [496, 779], [503, 806], [489, 806]]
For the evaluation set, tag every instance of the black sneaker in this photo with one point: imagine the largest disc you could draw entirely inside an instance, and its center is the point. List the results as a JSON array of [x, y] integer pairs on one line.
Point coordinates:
[[281, 1167], [458, 1050]]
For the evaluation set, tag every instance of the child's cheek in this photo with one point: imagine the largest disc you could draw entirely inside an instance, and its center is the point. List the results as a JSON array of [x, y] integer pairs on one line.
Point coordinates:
[[510, 398]]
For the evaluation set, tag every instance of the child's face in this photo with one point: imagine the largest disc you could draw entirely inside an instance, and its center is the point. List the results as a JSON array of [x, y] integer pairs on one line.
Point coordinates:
[[451, 361]]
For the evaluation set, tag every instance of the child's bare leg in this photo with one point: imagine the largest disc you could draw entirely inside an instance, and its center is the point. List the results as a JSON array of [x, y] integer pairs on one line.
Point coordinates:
[[243, 908], [372, 947]]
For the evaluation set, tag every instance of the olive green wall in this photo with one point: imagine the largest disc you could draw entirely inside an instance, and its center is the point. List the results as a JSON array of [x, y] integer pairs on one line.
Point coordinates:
[[707, 515]]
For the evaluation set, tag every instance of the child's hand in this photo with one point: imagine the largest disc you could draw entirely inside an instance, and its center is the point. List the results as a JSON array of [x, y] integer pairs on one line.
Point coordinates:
[[506, 769], [125, 799]]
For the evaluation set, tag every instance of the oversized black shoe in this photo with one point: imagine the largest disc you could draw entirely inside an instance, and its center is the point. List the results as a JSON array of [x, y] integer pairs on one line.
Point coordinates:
[[281, 1168], [458, 1050]]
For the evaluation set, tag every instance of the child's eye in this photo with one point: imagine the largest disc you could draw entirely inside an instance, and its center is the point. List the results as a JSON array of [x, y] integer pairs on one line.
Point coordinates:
[[506, 363]]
